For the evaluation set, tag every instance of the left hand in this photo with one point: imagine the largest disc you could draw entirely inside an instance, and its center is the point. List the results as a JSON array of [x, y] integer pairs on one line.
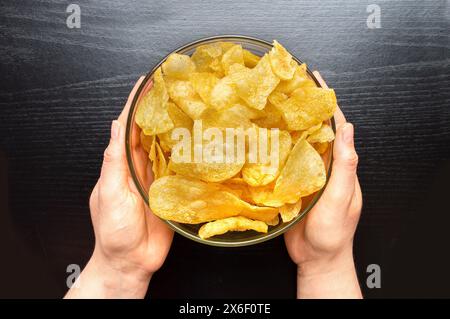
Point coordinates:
[[130, 242]]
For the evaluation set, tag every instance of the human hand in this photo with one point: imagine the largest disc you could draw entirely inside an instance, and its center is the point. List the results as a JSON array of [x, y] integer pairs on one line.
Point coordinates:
[[322, 243], [130, 242]]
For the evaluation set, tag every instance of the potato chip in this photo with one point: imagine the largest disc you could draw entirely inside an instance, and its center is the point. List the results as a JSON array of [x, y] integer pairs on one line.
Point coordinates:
[[248, 112], [274, 221], [303, 174], [178, 66], [307, 107], [299, 79], [323, 134], [264, 196], [203, 83], [224, 94], [321, 148], [272, 118], [250, 59], [255, 85], [206, 55], [184, 95], [289, 211], [146, 141], [159, 164], [258, 174], [151, 114], [188, 200], [234, 55], [179, 119], [225, 225], [281, 61], [228, 118]]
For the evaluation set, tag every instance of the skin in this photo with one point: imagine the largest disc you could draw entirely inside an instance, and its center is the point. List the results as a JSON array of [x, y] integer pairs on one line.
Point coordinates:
[[132, 243], [322, 244]]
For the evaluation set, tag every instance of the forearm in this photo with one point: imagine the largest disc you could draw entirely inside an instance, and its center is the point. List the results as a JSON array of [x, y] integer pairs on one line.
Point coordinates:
[[98, 280], [329, 279]]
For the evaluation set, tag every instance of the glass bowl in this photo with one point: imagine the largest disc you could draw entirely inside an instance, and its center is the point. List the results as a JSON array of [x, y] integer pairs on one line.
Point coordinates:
[[140, 173]]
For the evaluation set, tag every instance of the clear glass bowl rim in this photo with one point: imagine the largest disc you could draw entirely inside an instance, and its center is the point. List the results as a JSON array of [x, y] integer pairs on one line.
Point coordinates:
[[143, 192]]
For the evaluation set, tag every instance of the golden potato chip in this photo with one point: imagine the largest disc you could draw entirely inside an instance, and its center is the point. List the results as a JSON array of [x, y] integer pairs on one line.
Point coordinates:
[[277, 98], [274, 221], [303, 174], [258, 174], [203, 83], [307, 107], [184, 95], [250, 59], [191, 201], [206, 55], [224, 94], [264, 196], [159, 164], [178, 66], [223, 119], [281, 61], [248, 112], [151, 114], [299, 79], [323, 134], [234, 55], [225, 225], [179, 119], [146, 141], [272, 118], [289, 211], [321, 148], [255, 85]]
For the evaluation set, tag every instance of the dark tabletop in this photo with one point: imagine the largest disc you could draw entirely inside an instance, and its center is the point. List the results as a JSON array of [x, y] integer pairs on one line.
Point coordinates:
[[61, 88]]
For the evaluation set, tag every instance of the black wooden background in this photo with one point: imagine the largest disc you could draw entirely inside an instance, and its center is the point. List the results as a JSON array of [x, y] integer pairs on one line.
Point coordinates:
[[61, 88]]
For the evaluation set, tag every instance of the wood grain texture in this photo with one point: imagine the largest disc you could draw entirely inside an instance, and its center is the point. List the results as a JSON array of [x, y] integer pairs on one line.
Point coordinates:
[[62, 87]]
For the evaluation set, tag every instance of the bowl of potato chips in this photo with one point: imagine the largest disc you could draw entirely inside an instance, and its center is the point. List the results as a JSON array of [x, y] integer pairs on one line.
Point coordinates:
[[229, 140]]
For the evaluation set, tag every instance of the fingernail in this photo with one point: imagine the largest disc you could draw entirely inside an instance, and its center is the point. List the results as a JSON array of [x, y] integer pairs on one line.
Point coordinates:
[[115, 129], [347, 133]]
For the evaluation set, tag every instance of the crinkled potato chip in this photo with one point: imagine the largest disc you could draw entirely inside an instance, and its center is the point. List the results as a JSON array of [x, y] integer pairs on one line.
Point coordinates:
[[289, 211], [238, 223], [224, 94], [191, 201], [159, 164], [255, 85], [307, 107], [281, 61], [146, 141], [151, 115], [178, 66], [323, 134], [203, 83], [234, 55], [303, 174], [250, 59], [184, 95], [299, 79], [321, 148], [258, 174], [179, 119], [272, 118], [222, 87]]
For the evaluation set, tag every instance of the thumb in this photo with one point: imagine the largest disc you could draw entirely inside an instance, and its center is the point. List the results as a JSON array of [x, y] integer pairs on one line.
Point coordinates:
[[341, 185], [114, 169]]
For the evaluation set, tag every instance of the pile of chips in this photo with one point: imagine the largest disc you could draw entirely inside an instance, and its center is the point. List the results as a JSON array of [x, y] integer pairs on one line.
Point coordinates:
[[226, 86]]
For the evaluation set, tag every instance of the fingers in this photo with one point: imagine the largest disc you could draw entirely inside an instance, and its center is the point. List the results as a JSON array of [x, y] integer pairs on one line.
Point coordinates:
[[114, 170], [341, 186], [123, 115], [338, 115]]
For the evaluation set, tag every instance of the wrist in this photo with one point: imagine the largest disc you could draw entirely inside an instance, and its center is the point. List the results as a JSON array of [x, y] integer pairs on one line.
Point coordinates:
[[115, 279], [328, 277]]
